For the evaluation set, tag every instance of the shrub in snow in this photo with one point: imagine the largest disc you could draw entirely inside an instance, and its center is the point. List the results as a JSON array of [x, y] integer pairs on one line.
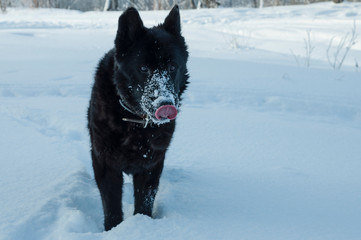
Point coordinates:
[[340, 51], [308, 51], [241, 41]]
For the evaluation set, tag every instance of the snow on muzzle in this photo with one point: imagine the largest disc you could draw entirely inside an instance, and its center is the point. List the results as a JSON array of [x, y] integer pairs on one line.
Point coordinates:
[[166, 111], [159, 100]]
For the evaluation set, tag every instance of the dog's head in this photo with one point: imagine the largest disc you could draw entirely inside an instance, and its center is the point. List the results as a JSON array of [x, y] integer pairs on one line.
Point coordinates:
[[150, 66]]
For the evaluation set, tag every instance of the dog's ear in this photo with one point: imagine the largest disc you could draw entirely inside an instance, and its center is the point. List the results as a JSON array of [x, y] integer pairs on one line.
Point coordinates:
[[172, 22], [130, 28]]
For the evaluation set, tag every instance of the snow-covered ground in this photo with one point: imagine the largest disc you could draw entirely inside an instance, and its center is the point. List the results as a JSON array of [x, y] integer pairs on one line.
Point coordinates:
[[265, 147]]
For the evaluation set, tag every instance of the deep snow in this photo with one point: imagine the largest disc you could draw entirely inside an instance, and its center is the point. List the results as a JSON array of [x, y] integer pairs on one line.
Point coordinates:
[[265, 148]]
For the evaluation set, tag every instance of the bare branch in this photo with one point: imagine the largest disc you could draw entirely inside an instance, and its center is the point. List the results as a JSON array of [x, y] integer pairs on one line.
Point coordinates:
[[342, 49], [296, 57], [309, 48]]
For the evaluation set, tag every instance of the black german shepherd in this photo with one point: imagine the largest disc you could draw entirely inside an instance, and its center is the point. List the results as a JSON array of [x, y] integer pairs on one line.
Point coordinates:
[[134, 101]]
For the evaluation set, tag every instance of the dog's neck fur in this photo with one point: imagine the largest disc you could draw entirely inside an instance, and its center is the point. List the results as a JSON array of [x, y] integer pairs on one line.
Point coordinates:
[[144, 121]]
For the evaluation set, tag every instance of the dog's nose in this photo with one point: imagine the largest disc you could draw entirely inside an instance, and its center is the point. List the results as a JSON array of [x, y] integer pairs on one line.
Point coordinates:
[[166, 111]]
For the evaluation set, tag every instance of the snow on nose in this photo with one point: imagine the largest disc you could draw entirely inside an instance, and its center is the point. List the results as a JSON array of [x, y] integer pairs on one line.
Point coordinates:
[[166, 111]]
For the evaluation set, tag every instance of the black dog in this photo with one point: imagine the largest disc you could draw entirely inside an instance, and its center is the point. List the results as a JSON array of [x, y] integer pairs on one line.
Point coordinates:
[[134, 101]]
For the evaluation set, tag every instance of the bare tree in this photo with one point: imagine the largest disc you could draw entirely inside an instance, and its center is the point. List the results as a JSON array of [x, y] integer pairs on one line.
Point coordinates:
[[36, 3], [110, 5], [113, 5], [210, 3], [106, 5], [3, 4]]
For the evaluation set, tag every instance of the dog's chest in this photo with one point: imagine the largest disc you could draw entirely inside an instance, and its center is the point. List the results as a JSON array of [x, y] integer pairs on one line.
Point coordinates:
[[142, 149], [137, 138], [138, 145]]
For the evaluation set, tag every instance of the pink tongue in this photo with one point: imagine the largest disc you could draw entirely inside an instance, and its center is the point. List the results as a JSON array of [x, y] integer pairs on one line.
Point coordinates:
[[166, 111]]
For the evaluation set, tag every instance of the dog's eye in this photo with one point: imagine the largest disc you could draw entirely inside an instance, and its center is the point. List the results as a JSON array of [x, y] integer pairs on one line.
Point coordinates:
[[172, 68], [144, 69]]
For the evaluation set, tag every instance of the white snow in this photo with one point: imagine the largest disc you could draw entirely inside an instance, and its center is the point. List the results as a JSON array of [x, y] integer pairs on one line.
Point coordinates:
[[265, 147]]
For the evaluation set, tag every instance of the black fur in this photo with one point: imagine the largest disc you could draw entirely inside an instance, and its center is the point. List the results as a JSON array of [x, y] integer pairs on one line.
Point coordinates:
[[119, 146]]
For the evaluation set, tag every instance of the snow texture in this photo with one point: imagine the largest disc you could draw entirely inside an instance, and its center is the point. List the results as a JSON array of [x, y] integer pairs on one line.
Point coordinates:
[[265, 148]]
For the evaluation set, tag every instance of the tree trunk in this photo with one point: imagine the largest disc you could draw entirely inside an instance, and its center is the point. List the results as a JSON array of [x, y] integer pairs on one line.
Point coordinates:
[[3, 4], [106, 5], [155, 5], [114, 5], [35, 3], [110, 5], [260, 3]]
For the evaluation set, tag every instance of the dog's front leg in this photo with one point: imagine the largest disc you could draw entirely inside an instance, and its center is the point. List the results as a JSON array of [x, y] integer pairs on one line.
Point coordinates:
[[145, 188], [110, 185]]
